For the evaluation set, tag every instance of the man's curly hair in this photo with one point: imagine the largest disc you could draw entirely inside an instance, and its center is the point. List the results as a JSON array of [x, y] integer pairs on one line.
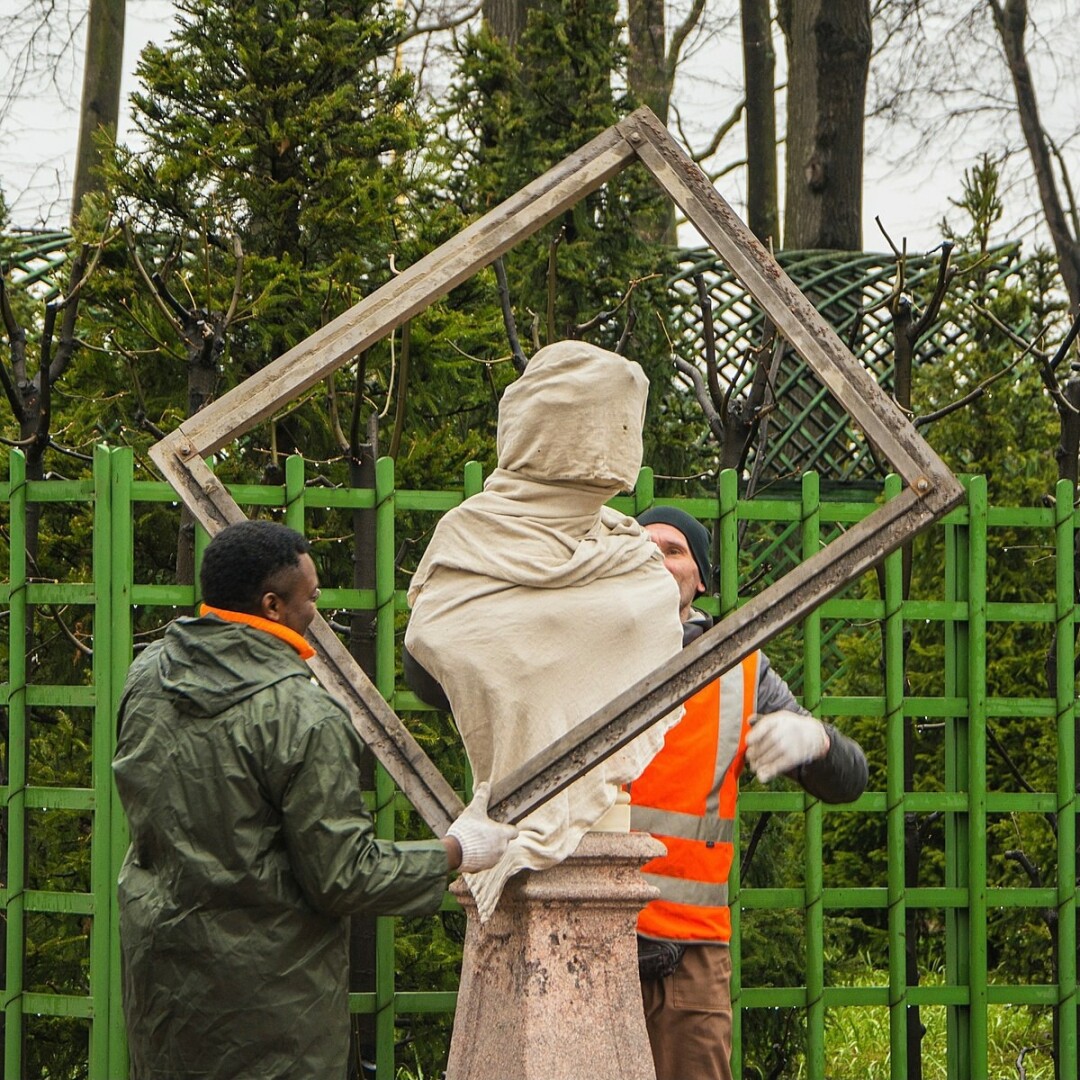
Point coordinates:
[[242, 560]]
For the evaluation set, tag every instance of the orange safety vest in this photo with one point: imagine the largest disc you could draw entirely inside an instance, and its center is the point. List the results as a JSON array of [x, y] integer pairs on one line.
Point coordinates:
[[686, 799]]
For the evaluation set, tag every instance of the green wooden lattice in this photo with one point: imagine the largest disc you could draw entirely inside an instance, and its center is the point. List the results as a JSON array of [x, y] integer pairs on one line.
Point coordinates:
[[34, 259], [811, 432], [962, 610]]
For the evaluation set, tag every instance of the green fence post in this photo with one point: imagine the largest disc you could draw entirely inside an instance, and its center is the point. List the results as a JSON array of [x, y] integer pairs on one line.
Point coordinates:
[[101, 773], [294, 492], [384, 787], [814, 916], [727, 527], [957, 967], [644, 491], [472, 478], [1067, 779], [977, 772], [15, 798], [122, 557], [893, 648]]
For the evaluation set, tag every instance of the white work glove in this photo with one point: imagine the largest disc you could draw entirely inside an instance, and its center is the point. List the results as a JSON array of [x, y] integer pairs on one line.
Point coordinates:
[[780, 742], [482, 840]]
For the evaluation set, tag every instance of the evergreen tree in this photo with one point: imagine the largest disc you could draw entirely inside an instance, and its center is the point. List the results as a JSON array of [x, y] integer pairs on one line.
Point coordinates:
[[285, 129], [513, 113]]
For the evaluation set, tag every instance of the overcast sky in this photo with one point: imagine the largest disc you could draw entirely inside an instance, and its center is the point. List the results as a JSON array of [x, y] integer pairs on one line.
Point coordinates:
[[910, 177]]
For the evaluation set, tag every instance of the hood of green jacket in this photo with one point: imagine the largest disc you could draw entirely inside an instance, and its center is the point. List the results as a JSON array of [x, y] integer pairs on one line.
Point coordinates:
[[207, 665]]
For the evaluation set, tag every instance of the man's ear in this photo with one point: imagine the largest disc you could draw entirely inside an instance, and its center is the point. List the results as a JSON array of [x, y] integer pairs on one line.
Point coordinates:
[[270, 606], [700, 584]]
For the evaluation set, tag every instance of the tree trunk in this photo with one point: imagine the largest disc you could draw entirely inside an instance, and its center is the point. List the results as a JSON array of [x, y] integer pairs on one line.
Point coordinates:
[[650, 83], [204, 340], [100, 105], [1011, 23], [506, 18], [647, 61], [828, 49], [759, 72]]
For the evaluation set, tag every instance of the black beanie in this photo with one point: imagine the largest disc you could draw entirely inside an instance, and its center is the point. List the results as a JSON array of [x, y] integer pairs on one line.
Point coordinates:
[[697, 536]]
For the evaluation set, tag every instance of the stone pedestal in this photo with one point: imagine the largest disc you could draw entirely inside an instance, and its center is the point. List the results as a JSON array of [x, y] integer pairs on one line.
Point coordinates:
[[549, 985]]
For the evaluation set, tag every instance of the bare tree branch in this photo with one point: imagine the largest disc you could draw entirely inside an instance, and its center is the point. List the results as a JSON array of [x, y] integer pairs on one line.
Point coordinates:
[[358, 398], [967, 399], [402, 390], [708, 335], [628, 329], [889, 240], [1004, 755], [1011, 24], [946, 273], [604, 316], [164, 308], [45, 389], [238, 284], [509, 359], [1066, 183], [17, 343], [335, 414], [508, 316], [81, 269], [690, 371], [552, 281], [57, 617], [449, 22], [722, 130], [678, 40], [1066, 344]]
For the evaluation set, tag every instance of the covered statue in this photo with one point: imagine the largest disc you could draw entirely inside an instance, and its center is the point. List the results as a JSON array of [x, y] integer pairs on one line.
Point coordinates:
[[535, 604]]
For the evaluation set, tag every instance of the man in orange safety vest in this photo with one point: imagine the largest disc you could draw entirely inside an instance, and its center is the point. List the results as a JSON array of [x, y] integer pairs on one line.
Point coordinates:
[[686, 798]]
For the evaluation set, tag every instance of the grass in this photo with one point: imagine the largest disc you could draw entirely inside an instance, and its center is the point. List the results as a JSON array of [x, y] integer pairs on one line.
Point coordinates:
[[857, 1041]]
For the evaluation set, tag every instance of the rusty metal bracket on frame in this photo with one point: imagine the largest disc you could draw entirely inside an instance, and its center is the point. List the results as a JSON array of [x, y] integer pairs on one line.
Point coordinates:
[[930, 488]]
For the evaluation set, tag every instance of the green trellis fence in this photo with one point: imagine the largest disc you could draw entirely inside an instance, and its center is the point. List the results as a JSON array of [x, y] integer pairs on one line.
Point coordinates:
[[79, 909]]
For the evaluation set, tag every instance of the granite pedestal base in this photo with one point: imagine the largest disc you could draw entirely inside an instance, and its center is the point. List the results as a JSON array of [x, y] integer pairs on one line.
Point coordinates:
[[549, 985]]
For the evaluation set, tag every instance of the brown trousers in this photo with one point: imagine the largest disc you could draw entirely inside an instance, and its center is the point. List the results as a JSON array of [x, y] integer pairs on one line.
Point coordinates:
[[688, 1015]]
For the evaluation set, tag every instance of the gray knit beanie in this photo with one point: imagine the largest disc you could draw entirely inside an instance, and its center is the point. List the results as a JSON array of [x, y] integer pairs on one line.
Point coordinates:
[[697, 536]]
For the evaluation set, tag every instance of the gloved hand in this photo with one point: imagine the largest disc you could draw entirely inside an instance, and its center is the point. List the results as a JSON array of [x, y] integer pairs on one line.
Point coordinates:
[[782, 741], [482, 840]]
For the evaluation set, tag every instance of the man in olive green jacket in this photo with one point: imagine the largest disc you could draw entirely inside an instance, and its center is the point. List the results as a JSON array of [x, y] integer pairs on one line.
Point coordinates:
[[251, 845]]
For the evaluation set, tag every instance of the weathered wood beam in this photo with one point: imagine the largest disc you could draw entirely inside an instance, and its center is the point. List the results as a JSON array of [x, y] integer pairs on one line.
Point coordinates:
[[383, 731], [180, 455], [394, 303], [334, 666], [794, 316], [756, 622], [931, 490]]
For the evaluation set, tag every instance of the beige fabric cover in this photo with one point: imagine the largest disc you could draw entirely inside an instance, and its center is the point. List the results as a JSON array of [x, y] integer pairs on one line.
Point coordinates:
[[535, 604]]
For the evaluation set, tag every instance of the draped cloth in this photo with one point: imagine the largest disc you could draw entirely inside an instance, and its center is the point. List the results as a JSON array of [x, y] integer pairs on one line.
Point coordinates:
[[535, 604]]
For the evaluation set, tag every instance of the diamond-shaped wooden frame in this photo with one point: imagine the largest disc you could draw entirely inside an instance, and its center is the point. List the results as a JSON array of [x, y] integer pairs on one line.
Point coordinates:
[[930, 489]]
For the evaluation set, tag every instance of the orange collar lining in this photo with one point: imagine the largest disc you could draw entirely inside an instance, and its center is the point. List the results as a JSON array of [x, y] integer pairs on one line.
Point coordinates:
[[257, 622]]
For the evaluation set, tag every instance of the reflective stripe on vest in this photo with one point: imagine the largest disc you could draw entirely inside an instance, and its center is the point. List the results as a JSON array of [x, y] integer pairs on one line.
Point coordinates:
[[686, 797], [687, 826], [693, 893]]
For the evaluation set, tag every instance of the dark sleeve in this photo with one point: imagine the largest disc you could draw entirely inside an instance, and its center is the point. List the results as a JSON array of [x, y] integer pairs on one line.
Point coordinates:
[[422, 683], [840, 776], [334, 855], [773, 694]]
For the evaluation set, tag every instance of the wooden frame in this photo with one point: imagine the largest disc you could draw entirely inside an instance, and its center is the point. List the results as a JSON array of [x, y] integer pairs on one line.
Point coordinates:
[[930, 489]]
